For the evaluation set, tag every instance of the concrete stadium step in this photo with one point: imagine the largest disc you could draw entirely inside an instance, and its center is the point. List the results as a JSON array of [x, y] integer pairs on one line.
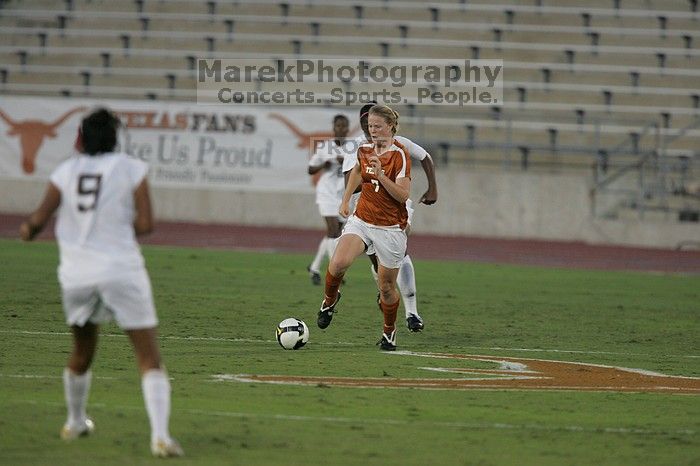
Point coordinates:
[[68, 79], [652, 5], [611, 77]]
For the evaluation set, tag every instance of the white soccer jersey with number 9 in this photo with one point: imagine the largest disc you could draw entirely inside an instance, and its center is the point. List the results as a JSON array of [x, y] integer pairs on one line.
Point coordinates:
[[95, 221]]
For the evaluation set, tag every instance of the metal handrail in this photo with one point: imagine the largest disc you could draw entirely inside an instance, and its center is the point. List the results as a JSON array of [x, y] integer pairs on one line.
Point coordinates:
[[599, 184]]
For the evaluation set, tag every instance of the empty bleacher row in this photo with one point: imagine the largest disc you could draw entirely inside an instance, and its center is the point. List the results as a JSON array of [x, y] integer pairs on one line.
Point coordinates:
[[577, 79]]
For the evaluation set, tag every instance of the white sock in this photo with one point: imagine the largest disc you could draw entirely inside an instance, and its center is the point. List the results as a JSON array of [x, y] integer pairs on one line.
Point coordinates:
[[407, 286], [331, 243], [76, 388], [156, 394], [322, 250]]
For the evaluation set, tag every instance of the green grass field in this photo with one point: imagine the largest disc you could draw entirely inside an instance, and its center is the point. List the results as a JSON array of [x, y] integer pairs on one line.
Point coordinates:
[[218, 312]]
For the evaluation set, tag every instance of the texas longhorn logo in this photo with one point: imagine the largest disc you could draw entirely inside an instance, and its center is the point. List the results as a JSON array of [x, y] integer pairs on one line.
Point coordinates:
[[32, 134]]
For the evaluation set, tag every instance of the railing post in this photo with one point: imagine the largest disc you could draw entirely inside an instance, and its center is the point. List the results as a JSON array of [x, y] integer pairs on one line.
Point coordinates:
[[471, 136], [445, 156], [509, 143], [524, 157], [640, 196]]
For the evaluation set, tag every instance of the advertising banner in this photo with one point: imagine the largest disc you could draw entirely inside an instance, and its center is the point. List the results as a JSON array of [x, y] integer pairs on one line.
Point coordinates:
[[187, 145]]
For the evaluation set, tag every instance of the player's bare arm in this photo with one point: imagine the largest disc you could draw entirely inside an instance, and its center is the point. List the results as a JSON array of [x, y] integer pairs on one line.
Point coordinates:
[[316, 169], [431, 194], [353, 181], [36, 222], [347, 177], [143, 223]]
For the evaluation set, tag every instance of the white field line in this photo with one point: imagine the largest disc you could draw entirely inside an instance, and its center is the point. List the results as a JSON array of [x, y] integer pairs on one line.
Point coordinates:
[[469, 374], [509, 370], [162, 337], [336, 343], [503, 363], [439, 386], [397, 422]]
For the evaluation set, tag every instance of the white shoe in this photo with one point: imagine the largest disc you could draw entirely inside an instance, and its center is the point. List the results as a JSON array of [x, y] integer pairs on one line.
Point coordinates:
[[72, 432], [166, 449], [388, 342]]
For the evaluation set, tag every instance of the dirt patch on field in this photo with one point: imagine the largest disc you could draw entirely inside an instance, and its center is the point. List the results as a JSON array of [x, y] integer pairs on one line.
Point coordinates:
[[511, 374]]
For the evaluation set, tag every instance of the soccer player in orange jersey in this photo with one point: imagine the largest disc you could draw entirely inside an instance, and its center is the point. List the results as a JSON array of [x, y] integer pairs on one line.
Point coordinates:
[[383, 170], [406, 280]]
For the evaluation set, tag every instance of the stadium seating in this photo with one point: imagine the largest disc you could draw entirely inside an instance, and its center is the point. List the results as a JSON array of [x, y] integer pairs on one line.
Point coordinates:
[[579, 80]]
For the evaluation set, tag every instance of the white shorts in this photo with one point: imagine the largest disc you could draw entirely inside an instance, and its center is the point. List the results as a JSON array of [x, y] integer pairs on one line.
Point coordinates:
[[409, 210], [388, 244], [329, 209], [127, 299]]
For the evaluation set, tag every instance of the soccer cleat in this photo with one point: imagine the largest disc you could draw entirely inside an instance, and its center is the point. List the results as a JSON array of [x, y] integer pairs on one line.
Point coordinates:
[[325, 315], [315, 276], [414, 323], [388, 342], [166, 449], [71, 432]]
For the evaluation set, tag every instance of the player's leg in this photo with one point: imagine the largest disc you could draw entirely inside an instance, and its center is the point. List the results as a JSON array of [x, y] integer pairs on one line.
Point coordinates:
[[156, 390], [77, 378], [391, 248], [374, 266], [350, 245], [145, 343], [406, 282], [329, 212], [389, 304], [130, 299], [314, 268], [334, 229], [81, 306]]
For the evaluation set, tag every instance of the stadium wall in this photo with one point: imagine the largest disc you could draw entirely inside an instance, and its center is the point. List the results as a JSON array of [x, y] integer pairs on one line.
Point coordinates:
[[488, 204]]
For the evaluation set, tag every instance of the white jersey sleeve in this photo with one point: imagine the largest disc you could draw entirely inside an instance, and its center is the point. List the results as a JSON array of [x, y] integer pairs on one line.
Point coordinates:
[[350, 159], [414, 149], [349, 162], [59, 176], [138, 170], [320, 155]]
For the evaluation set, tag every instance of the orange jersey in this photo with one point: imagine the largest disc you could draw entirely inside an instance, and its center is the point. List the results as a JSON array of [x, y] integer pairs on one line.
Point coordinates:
[[376, 206]]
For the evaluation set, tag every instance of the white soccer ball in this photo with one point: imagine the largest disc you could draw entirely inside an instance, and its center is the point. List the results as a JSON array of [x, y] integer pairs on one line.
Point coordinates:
[[292, 333]]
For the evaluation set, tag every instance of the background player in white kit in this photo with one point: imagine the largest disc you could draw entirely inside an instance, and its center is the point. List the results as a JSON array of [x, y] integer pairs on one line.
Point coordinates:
[[328, 159], [103, 203], [406, 279]]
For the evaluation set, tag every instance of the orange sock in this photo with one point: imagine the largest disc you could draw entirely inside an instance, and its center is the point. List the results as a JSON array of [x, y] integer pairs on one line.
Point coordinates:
[[389, 311], [332, 285]]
